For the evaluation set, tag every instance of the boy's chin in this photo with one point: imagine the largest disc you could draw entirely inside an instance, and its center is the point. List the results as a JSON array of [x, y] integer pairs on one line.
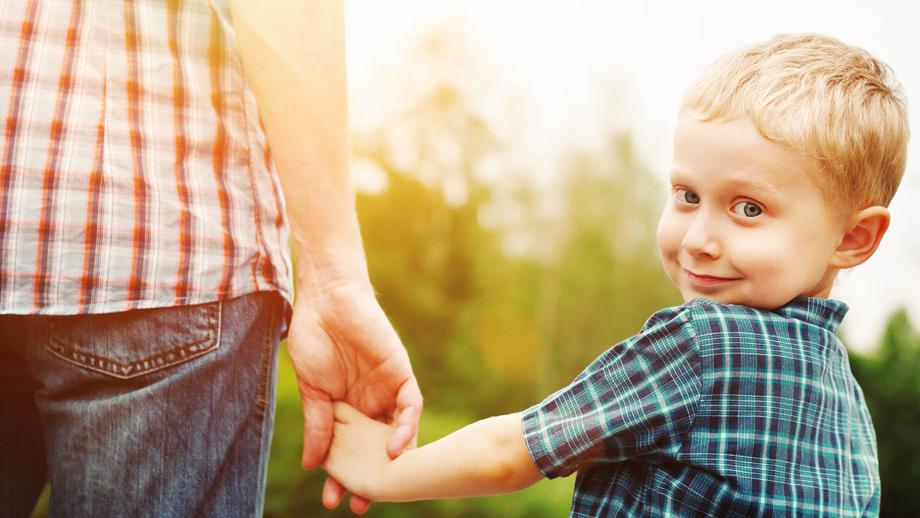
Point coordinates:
[[722, 298]]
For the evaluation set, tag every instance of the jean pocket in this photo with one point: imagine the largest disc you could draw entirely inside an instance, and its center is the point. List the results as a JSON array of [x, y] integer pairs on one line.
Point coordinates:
[[134, 343]]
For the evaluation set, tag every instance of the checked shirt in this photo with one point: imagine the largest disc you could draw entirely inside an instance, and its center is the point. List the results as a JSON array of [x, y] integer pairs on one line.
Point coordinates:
[[715, 410], [134, 169]]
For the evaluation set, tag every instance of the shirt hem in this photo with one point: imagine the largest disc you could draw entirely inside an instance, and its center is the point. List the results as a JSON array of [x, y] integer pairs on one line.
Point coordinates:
[[532, 429], [118, 306]]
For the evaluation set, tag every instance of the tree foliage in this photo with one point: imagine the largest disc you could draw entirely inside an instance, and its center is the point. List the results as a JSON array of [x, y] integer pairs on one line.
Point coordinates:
[[890, 379]]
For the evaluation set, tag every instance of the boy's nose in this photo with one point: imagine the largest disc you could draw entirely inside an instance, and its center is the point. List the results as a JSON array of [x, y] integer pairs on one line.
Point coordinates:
[[701, 239]]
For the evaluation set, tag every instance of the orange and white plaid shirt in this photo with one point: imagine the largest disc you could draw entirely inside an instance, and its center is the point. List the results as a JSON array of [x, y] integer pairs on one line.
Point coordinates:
[[135, 169]]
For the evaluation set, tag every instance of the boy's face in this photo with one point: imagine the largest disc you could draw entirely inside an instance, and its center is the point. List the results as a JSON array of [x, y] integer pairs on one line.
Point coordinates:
[[746, 222]]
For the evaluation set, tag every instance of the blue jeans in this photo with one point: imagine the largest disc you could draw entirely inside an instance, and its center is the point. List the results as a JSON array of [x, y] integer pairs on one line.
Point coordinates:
[[155, 412]]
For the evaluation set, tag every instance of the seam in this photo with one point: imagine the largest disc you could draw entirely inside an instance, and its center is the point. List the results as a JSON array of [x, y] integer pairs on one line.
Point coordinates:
[[261, 248], [262, 402], [697, 367], [267, 349]]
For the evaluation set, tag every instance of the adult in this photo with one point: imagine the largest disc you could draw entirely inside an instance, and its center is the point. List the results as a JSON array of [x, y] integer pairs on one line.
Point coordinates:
[[155, 158]]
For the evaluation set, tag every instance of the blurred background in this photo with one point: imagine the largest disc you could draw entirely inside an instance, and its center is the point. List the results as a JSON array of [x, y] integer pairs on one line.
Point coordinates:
[[511, 159]]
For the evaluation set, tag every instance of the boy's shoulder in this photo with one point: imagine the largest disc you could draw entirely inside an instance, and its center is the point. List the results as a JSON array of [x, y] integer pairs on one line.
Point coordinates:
[[703, 314], [737, 342], [710, 321]]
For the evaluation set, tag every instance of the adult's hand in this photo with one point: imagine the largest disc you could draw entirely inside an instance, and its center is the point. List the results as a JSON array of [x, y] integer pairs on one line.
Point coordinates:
[[344, 348]]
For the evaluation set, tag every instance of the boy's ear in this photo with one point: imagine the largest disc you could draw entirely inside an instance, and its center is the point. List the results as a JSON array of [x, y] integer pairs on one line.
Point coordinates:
[[866, 228]]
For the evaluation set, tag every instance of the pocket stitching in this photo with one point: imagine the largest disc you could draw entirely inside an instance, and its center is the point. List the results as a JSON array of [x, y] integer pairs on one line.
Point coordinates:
[[122, 370]]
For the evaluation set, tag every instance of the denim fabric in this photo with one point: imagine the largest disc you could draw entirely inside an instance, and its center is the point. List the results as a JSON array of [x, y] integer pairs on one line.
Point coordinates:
[[155, 412]]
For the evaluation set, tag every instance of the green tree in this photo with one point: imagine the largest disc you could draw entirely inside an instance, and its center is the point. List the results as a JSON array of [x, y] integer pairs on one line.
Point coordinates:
[[890, 380], [603, 278]]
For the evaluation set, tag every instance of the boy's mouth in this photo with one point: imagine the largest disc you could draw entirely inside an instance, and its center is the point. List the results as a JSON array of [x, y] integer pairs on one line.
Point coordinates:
[[707, 281]]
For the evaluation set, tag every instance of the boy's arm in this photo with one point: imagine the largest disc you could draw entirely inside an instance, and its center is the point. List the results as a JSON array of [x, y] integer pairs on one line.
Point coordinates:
[[485, 458]]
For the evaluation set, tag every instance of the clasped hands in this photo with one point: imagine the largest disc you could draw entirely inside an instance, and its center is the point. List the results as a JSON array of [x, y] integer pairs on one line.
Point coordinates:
[[345, 350]]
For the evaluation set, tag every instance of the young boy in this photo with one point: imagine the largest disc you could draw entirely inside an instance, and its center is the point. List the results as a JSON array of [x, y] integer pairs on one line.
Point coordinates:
[[741, 401]]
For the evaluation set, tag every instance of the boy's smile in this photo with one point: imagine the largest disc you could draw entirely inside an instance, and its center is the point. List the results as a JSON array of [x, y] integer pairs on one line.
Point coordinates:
[[746, 222], [704, 282]]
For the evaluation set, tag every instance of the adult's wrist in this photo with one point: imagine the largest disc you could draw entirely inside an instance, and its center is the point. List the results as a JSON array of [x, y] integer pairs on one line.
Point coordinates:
[[331, 266]]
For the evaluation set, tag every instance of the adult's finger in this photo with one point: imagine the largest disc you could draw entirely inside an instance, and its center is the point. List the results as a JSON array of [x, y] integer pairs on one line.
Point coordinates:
[[317, 428], [333, 493], [409, 411], [359, 504]]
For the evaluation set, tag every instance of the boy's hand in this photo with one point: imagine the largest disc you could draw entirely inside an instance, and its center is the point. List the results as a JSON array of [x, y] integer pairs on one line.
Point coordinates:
[[358, 457]]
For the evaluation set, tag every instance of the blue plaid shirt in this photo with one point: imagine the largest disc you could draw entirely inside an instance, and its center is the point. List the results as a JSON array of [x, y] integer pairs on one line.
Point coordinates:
[[715, 410]]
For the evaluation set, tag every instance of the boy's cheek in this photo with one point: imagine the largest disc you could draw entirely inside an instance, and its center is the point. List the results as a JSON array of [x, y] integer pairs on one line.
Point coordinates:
[[668, 237], [662, 232], [762, 252]]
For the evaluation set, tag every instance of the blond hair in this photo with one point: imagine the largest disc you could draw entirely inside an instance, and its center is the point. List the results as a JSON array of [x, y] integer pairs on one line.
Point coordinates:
[[821, 97]]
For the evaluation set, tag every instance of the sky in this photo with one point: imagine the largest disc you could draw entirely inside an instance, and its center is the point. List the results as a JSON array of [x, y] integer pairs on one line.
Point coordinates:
[[558, 58]]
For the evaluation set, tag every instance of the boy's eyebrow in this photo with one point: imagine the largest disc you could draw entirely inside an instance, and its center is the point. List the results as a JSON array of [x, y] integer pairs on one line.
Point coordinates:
[[747, 180], [739, 179]]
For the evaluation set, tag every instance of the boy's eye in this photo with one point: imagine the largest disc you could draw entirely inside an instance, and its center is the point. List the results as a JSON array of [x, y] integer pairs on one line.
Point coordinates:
[[687, 196], [747, 209]]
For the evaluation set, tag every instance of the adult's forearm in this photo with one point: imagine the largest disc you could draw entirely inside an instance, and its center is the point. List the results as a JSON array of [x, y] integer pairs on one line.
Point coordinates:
[[293, 52], [485, 458]]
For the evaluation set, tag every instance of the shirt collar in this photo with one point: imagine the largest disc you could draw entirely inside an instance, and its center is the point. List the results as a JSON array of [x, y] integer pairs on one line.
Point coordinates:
[[824, 313]]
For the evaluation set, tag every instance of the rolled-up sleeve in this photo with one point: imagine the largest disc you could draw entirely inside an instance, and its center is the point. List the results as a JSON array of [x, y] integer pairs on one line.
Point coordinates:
[[637, 398]]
